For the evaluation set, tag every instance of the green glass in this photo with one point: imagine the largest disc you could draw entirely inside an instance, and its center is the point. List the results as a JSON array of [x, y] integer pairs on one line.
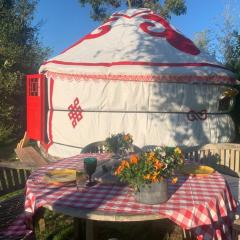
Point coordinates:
[[90, 165]]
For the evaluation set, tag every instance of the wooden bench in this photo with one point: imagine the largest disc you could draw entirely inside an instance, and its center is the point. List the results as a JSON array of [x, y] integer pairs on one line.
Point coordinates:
[[30, 157], [224, 157], [11, 180]]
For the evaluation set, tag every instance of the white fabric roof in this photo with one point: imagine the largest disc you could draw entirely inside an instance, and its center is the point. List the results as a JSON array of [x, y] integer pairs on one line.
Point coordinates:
[[138, 45]]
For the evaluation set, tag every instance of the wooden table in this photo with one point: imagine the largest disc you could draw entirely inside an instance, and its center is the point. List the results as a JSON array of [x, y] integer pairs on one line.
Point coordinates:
[[200, 205]]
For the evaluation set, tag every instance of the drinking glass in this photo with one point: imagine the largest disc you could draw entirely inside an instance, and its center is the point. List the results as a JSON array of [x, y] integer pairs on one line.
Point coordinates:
[[80, 179], [90, 165]]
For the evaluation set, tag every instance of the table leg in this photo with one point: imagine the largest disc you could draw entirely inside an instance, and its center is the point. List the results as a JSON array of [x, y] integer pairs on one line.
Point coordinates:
[[39, 221], [89, 230], [79, 229]]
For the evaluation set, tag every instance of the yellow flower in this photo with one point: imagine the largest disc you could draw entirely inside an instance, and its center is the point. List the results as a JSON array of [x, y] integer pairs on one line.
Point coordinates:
[[174, 180], [178, 150], [147, 177], [151, 156], [154, 177], [134, 159]]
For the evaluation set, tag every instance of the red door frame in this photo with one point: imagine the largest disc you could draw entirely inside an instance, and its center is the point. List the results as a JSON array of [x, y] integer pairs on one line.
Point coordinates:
[[36, 115]]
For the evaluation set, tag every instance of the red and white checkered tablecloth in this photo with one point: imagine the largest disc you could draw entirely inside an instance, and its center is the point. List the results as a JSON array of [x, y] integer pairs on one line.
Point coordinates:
[[202, 205]]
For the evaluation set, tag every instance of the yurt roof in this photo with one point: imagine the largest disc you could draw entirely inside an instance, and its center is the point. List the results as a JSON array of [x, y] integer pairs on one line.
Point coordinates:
[[138, 45]]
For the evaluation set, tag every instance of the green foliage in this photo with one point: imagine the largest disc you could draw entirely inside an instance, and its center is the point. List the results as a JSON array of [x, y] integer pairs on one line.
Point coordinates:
[[20, 54], [119, 143], [223, 42], [232, 61], [102, 9], [232, 55]]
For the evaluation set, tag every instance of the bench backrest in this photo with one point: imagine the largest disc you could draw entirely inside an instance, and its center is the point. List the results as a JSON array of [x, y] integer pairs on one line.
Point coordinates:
[[12, 179], [95, 147], [224, 157]]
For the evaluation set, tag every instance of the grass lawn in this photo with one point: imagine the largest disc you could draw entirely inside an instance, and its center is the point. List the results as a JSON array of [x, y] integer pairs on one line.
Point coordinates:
[[60, 227]]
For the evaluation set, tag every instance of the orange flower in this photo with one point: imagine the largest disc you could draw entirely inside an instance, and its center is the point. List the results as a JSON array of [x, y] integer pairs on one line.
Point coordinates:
[[125, 163], [118, 170], [154, 179], [174, 180], [158, 165], [134, 159]]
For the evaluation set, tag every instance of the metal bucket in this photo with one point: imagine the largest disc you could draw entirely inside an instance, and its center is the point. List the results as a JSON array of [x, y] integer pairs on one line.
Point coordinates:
[[153, 193]]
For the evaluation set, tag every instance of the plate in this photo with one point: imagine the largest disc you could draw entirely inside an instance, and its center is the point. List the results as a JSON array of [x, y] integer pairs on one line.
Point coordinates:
[[197, 170], [60, 176]]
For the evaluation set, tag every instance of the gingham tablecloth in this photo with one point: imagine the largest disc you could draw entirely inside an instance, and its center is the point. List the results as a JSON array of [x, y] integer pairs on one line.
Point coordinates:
[[201, 205]]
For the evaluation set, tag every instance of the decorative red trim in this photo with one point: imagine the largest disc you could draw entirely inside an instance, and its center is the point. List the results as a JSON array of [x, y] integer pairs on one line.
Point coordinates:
[[131, 63], [50, 115], [132, 16], [174, 38], [146, 78], [43, 113]]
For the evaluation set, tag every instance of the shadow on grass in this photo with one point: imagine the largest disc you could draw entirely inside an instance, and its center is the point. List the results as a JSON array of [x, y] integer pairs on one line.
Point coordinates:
[[60, 227], [160, 229]]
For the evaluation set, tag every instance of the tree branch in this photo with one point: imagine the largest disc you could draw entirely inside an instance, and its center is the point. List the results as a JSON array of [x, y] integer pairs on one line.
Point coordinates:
[[129, 4]]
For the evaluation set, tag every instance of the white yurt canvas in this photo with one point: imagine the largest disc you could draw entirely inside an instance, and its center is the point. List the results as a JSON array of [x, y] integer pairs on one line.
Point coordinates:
[[136, 74]]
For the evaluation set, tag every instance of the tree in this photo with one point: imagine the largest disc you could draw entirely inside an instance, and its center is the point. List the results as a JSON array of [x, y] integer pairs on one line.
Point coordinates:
[[228, 50], [20, 54], [204, 42], [101, 9], [232, 61], [232, 54]]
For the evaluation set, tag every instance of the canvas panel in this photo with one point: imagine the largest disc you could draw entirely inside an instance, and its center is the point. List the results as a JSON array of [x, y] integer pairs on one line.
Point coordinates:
[[146, 128], [104, 95]]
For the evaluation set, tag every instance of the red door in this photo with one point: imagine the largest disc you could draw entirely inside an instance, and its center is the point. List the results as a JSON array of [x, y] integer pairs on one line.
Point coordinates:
[[35, 106]]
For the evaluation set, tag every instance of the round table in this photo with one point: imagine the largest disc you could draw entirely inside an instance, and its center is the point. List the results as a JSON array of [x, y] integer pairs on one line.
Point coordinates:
[[201, 205]]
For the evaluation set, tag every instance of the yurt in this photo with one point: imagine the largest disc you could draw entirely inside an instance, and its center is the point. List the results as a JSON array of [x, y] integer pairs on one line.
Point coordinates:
[[136, 74]]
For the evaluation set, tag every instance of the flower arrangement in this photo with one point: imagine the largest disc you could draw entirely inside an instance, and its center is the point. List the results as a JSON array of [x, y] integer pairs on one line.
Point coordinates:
[[150, 167], [119, 143]]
